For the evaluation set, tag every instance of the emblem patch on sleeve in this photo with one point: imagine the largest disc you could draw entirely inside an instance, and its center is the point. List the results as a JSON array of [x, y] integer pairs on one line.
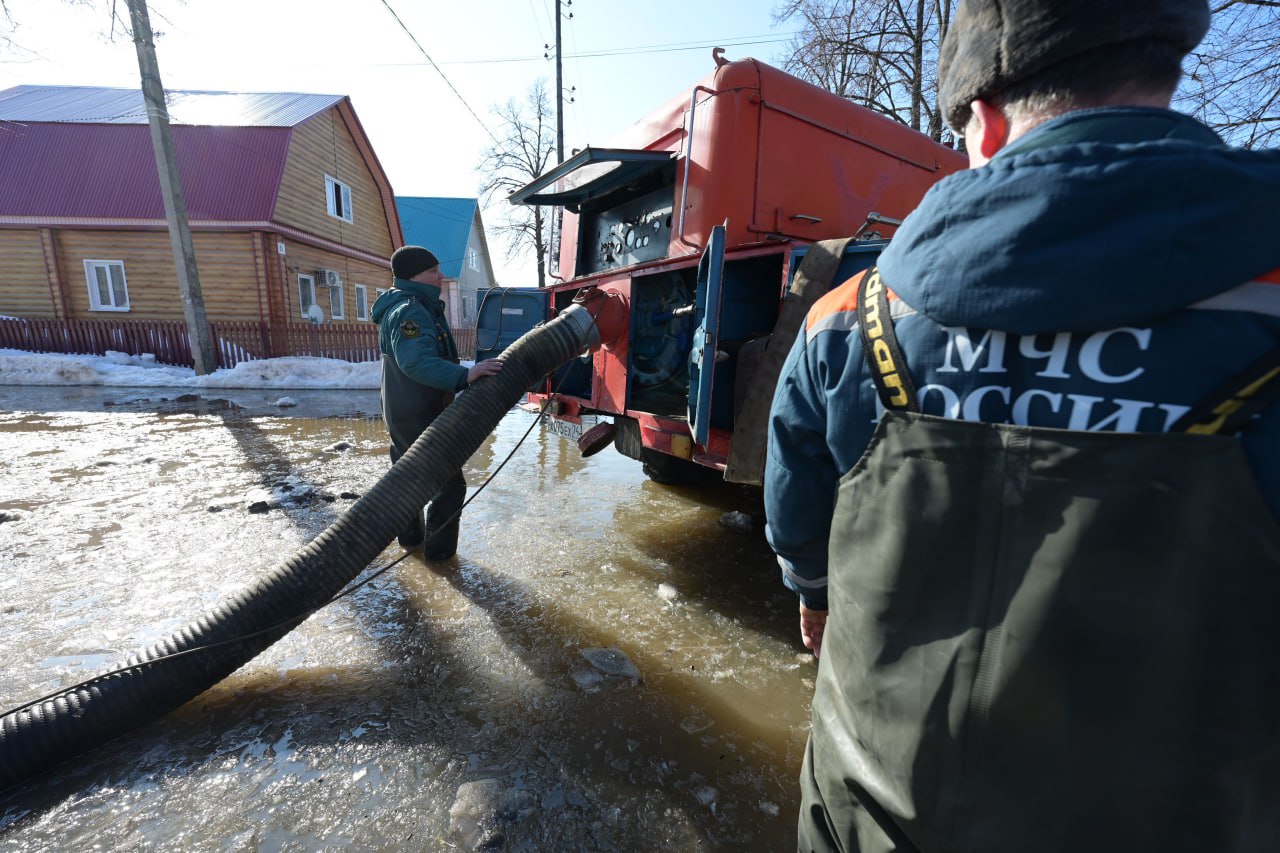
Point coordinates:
[[409, 329]]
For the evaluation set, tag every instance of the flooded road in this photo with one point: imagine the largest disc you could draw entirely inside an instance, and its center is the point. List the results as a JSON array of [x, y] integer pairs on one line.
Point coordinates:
[[605, 665]]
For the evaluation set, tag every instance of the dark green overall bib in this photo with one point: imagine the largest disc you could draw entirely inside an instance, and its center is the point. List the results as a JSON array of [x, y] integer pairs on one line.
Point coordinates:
[[1046, 640], [408, 408]]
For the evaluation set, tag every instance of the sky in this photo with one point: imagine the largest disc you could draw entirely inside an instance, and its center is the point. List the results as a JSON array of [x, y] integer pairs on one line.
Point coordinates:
[[429, 125]]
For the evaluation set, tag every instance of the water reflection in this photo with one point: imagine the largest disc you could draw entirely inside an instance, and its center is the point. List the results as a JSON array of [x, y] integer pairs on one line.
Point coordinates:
[[371, 724]]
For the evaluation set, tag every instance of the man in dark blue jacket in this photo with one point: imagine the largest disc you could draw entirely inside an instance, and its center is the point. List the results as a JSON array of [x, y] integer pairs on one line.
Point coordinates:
[[1104, 269], [420, 375]]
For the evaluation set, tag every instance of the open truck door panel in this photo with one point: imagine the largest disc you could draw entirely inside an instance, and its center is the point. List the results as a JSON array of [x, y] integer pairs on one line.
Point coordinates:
[[704, 352], [695, 220]]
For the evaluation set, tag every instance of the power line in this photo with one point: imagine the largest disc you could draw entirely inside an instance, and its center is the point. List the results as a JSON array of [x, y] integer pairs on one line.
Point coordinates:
[[547, 13], [630, 51], [730, 41], [536, 22], [621, 51], [441, 73]]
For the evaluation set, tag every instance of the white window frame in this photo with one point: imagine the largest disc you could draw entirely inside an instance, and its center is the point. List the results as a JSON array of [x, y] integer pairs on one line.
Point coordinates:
[[337, 197], [337, 307], [466, 309], [378, 291], [362, 302], [473, 259], [310, 284], [91, 266]]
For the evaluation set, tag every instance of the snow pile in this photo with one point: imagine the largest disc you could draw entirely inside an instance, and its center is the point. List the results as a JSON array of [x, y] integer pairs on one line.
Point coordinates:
[[144, 360], [120, 369], [20, 368], [296, 372]]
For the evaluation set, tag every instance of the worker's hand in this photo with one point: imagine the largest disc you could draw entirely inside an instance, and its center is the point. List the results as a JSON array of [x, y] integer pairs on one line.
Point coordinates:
[[812, 624], [483, 368]]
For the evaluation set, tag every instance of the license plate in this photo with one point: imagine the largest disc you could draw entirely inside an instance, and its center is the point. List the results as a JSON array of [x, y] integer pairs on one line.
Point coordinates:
[[567, 429]]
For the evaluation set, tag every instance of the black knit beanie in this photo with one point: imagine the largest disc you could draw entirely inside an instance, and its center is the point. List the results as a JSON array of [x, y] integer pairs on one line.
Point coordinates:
[[993, 44], [408, 261]]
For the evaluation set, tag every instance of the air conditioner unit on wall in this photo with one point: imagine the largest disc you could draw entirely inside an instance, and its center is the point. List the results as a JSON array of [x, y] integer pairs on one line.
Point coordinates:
[[329, 278]]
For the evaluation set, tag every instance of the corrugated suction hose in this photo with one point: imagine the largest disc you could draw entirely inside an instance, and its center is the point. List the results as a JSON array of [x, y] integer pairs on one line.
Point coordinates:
[[34, 738]]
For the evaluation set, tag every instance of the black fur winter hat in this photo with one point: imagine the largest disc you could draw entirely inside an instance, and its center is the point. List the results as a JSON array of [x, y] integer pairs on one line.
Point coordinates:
[[408, 261], [993, 44]]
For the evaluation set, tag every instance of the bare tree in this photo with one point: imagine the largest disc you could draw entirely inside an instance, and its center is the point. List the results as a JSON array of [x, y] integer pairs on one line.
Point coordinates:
[[1233, 77], [117, 23], [526, 146], [882, 54], [11, 47]]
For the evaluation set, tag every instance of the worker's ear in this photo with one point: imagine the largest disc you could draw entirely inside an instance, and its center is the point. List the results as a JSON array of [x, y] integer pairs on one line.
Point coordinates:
[[986, 133]]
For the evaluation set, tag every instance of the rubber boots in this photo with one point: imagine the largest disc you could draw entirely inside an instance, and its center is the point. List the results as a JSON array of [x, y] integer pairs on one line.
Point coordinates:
[[443, 543], [444, 521], [411, 537]]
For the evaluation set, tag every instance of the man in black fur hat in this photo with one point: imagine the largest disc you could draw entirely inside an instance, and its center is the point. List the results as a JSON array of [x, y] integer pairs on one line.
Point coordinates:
[[420, 375], [1025, 475]]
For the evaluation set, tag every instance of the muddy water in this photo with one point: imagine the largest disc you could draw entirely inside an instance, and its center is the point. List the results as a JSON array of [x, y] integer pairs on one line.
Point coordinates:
[[605, 666]]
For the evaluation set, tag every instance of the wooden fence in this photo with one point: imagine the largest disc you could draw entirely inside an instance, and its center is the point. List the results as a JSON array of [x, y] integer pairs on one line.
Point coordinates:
[[234, 342], [466, 341], [166, 340]]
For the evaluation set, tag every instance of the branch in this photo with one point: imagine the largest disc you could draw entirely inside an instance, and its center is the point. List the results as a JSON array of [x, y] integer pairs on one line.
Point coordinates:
[[1230, 125], [1230, 3]]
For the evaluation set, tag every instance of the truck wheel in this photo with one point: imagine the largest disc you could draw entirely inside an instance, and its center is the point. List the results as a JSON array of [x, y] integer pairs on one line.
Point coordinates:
[[673, 471]]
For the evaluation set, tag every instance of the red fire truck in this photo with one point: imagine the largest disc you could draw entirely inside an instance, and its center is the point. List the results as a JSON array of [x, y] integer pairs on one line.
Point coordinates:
[[695, 221]]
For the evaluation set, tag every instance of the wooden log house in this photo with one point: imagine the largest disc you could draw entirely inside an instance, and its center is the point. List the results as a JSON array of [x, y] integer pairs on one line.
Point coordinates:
[[292, 219]]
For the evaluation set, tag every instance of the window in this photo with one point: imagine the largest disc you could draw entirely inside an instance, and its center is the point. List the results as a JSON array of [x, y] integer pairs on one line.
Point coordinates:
[[378, 292], [107, 288], [473, 259], [337, 308], [466, 308], [362, 302], [306, 294], [337, 198]]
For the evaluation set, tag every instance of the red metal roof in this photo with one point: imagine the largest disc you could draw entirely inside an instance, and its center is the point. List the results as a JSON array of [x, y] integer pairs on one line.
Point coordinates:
[[109, 171]]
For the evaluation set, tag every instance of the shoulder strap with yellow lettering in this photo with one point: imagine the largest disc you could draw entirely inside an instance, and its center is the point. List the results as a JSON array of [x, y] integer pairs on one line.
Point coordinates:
[[880, 346], [1231, 407]]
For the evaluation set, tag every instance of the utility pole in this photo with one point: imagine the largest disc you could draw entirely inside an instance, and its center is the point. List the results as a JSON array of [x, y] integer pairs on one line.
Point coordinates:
[[557, 220], [560, 16], [559, 91], [175, 206]]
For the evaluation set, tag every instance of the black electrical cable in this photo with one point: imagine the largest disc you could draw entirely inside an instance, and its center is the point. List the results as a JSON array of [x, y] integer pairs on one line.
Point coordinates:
[[297, 620], [33, 740], [480, 313]]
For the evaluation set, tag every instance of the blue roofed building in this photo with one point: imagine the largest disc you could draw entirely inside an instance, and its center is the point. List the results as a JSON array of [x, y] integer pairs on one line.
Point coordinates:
[[452, 230]]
